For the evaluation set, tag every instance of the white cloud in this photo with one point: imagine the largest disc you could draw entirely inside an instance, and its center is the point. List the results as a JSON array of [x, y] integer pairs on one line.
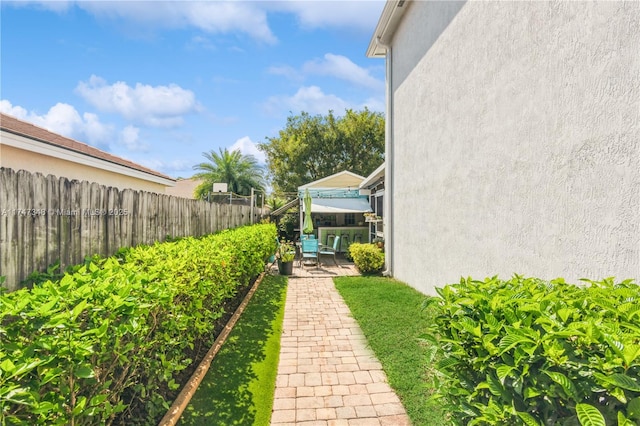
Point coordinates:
[[343, 68], [359, 15], [248, 147], [65, 120], [130, 138], [52, 5], [14, 111], [221, 17], [310, 99], [159, 106], [214, 17]]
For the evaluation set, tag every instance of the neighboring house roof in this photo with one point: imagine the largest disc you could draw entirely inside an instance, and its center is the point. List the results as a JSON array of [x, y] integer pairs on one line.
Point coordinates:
[[387, 24], [342, 179], [373, 177], [58, 146]]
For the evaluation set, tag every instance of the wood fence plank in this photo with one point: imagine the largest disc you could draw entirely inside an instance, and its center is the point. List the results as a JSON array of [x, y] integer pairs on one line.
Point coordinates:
[[9, 232], [74, 216], [126, 218], [53, 220], [40, 224], [87, 241], [111, 230], [64, 229], [25, 225], [152, 214], [139, 206]]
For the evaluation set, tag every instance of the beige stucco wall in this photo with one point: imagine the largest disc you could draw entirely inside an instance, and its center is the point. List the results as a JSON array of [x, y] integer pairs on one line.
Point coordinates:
[[18, 159], [516, 132], [184, 188]]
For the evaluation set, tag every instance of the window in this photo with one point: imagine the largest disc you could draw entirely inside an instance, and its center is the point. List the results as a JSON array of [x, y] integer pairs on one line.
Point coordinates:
[[350, 219]]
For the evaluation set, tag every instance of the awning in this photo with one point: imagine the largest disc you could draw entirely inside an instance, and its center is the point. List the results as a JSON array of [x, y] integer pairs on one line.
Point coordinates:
[[284, 208], [340, 205]]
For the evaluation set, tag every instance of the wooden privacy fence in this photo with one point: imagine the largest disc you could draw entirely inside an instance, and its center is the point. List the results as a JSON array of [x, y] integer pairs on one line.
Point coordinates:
[[44, 220]]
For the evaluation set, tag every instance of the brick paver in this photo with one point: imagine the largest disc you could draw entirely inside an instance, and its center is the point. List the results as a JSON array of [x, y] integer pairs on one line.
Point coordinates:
[[327, 376]]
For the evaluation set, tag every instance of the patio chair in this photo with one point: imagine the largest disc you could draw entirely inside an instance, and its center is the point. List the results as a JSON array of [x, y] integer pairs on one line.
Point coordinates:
[[330, 250], [344, 245], [309, 251]]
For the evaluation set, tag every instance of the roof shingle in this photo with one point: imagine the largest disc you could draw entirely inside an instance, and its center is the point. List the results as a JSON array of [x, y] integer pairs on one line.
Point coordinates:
[[31, 131]]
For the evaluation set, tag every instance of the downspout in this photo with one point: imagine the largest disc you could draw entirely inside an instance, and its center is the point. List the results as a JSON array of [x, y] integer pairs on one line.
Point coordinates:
[[388, 174]]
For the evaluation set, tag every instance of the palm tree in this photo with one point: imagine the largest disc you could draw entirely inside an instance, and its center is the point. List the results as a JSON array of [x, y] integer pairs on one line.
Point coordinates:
[[239, 172], [274, 203]]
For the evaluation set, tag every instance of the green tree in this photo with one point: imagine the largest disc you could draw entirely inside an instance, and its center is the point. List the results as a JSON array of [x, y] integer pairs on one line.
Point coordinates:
[[239, 172], [313, 147]]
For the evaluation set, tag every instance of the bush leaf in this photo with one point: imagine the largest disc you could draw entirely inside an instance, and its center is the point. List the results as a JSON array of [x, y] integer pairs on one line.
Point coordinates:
[[588, 415]]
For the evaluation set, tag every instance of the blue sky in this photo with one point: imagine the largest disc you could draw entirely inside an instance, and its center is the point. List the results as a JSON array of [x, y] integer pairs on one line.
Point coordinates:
[[159, 83]]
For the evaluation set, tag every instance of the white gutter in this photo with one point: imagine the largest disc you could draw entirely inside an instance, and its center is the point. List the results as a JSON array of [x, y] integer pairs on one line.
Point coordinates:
[[387, 220]]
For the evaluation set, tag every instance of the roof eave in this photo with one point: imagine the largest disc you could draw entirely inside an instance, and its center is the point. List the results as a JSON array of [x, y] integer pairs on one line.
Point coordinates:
[[375, 175], [387, 24]]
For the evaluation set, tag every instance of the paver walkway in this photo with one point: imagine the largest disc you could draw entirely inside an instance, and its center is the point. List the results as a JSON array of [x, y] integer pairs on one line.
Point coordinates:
[[327, 375]]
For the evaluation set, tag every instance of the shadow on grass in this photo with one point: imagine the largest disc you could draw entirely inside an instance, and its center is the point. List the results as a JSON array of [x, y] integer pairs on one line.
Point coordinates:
[[231, 391]]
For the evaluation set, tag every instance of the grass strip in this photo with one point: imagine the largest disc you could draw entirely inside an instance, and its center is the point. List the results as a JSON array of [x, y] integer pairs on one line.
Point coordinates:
[[239, 386], [390, 315]]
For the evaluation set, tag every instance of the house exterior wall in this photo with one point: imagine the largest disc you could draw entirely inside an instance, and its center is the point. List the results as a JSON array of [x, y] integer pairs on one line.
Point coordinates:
[[184, 188], [516, 132], [19, 159]]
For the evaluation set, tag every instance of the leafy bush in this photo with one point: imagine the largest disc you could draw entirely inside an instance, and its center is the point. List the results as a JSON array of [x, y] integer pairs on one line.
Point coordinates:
[[287, 223], [110, 339], [531, 352], [286, 251], [368, 258]]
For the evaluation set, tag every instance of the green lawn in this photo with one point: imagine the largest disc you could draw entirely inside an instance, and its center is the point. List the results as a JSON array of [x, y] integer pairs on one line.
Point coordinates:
[[238, 388], [391, 316]]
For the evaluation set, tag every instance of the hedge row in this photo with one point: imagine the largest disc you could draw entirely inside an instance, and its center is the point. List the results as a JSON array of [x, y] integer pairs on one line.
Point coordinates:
[[531, 352], [108, 340]]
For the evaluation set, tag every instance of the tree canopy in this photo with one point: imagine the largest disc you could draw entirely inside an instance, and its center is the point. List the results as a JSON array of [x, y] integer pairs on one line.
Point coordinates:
[[240, 172], [312, 147]]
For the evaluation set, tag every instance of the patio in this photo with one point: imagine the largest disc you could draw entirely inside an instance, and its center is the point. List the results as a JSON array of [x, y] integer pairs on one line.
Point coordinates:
[[327, 268]]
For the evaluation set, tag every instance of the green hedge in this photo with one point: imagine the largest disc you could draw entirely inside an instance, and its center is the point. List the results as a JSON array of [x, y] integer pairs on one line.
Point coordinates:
[[368, 258], [109, 340], [531, 352]]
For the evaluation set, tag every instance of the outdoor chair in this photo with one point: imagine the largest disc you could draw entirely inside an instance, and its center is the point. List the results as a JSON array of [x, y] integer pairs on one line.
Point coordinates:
[[309, 251], [331, 250], [344, 245], [330, 238]]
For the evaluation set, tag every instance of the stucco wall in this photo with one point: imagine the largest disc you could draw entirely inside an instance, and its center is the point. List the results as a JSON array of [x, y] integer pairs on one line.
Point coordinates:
[[18, 159], [516, 131]]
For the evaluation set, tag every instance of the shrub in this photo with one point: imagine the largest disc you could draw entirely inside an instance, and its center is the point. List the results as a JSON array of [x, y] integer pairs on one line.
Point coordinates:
[[110, 339], [368, 258], [286, 251], [531, 352]]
